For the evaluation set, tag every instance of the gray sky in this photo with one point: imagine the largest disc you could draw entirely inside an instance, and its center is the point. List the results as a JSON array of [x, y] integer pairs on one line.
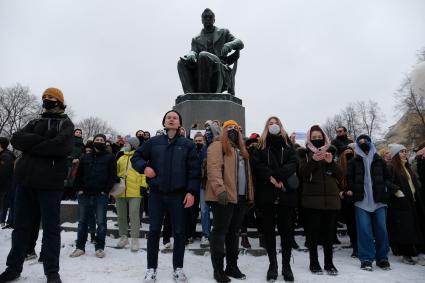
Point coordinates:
[[303, 60]]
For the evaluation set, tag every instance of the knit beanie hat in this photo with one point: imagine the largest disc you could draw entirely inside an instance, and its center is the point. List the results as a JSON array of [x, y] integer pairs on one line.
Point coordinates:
[[134, 142], [55, 92], [230, 123], [100, 135], [395, 148]]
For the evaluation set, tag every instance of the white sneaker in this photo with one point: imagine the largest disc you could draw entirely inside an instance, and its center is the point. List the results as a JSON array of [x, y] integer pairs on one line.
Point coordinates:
[[205, 243], [122, 242], [100, 253], [77, 253], [179, 276], [167, 246], [150, 276], [134, 246]]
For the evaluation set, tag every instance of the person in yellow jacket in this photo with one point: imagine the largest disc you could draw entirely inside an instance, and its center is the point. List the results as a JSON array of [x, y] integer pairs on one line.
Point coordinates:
[[129, 199]]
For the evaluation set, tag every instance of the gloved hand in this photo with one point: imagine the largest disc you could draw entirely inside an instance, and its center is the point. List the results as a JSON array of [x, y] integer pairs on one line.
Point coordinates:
[[222, 198], [399, 194]]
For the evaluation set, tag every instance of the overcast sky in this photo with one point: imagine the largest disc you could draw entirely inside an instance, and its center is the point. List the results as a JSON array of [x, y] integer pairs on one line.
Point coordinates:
[[303, 60]]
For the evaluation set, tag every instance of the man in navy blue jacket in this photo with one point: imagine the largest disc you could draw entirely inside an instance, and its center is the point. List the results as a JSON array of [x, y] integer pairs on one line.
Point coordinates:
[[171, 166]]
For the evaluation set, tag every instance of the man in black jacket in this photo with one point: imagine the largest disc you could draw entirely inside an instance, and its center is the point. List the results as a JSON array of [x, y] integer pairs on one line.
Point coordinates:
[[6, 169], [40, 172], [341, 141], [172, 169], [96, 175]]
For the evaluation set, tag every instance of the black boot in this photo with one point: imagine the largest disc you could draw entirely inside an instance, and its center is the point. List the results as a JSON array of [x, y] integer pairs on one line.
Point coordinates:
[[53, 278], [272, 272], [329, 266], [219, 274], [8, 276], [287, 274], [233, 271], [315, 267]]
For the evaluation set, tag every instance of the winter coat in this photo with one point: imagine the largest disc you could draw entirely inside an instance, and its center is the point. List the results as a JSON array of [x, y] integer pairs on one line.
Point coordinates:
[[341, 144], [222, 173], [381, 179], [281, 163], [7, 160], [96, 173], [404, 224], [78, 148], [320, 182], [175, 163], [133, 180], [45, 144]]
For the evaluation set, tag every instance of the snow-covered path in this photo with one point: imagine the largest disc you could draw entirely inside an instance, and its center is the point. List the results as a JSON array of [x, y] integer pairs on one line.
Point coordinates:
[[124, 266]]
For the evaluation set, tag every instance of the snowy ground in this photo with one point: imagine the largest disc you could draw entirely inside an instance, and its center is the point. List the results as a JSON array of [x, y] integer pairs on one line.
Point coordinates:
[[124, 266]]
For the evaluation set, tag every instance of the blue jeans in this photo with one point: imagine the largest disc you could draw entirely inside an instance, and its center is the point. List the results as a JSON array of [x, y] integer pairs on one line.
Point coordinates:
[[87, 204], [372, 236], [205, 215], [158, 204]]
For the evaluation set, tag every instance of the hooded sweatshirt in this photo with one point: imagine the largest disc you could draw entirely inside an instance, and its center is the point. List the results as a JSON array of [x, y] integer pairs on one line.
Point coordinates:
[[368, 203]]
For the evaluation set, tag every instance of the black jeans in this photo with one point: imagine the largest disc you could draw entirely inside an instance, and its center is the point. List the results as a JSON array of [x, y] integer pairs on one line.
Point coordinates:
[[158, 205], [320, 228], [227, 221], [282, 216], [32, 204]]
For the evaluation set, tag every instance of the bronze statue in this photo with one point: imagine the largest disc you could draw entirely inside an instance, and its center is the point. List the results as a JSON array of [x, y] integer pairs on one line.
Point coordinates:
[[207, 67]]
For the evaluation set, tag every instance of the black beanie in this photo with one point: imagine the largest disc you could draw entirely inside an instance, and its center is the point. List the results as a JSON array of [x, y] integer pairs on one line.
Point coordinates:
[[100, 135], [180, 118]]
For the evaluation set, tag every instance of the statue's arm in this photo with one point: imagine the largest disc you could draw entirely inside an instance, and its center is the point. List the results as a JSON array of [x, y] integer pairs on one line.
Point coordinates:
[[233, 42]]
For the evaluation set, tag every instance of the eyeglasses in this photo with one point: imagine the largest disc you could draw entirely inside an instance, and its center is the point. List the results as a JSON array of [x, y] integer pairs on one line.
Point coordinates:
[[232, 127]]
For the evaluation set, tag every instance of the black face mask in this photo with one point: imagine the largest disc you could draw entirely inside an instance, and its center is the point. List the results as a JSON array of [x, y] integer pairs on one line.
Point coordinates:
[[199, 146], [141, 139], [318, 143], [49, 104], [365, 147], [100, 146], [146, 138], [233, 136]]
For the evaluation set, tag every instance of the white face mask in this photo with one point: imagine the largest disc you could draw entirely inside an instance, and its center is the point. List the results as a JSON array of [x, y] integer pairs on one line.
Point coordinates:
[[274, 129]]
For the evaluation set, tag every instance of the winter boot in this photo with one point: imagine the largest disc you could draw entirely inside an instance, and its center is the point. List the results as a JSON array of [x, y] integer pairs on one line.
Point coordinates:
[[233, 271], [287, 274], [272, 272], [8, 276], [219, 274], [53, 278]]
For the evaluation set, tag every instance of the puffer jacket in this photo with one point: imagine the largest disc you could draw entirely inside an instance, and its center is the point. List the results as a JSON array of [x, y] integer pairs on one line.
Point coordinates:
[[45, 144], [133, 180], [320, 182], [175, 163], [222, 175]]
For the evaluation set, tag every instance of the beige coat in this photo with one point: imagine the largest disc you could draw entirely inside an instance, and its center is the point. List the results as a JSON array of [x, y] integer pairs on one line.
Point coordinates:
[[222, 175]]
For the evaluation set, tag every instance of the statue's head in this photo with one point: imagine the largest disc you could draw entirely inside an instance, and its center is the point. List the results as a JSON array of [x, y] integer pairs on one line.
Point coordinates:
[[208, 18]]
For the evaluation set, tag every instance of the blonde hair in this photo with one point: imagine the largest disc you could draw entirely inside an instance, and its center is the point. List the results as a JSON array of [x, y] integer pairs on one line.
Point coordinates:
[[262, 141]]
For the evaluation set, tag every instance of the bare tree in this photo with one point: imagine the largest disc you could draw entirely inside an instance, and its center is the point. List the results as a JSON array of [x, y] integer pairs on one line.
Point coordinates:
[[411, 101], [17, 107], [94, 125], [350, 118], [371, 117]]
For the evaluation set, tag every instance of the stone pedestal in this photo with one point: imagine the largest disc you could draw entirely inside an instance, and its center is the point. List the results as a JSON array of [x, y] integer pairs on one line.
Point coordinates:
[[199, 107]]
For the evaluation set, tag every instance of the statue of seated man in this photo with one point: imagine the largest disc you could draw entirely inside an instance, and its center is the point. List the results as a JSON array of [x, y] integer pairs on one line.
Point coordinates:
[[206, 68]]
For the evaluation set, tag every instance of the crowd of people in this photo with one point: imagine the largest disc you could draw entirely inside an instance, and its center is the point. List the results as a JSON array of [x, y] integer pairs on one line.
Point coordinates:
[[173, 179]]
